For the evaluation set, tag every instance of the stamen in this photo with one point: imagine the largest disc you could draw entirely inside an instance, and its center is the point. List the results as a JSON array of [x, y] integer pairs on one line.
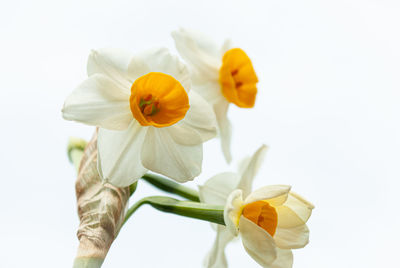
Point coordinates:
[[149, 106], [148, 110], [148, 97]]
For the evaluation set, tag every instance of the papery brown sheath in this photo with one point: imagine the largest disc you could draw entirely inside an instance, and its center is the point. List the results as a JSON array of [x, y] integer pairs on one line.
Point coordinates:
[[101, 210]]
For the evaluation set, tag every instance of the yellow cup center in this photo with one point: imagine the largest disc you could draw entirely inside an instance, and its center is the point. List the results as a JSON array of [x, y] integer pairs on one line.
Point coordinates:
[[158, 99], [238, 79], [262, 214]]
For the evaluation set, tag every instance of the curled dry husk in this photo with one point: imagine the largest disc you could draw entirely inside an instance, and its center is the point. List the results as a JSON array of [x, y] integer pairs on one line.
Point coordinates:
[[101, 210]]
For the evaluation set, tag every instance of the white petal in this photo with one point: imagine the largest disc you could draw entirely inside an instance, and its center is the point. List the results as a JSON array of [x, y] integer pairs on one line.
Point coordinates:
[[257, 242], [184, 134], [276, 195], [227, 45], [232, 211], [202, 55], [112, 63], [199, 124], [295, 211], [284, 259], [290, 238], [216, 257], [159, 60], [119, 154], [99, 101], [163, 155], [242, 164], [251, 170], [209, 90], [203, 42], [200, 117], [224, 127], [217, 189]]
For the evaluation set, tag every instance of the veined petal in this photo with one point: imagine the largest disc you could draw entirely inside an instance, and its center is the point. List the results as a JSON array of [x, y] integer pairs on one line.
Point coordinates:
[[163, 155], [99, 101], [224, 127], [284, 259], [184, 134], [295, 211], [251, 170], [159, 60], [216, 257], [291, 238], [217, 189], [200, 118], [119, 154], [201, 54], [233, 210], [257, 242], [275, 195], [112, 63]]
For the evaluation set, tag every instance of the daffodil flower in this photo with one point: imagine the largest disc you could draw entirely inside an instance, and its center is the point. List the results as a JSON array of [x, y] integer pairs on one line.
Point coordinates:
[[221, 75], [148, 117], [271, 220]]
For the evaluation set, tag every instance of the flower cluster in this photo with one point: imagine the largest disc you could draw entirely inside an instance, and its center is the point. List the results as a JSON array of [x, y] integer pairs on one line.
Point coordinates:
[[154, 112]]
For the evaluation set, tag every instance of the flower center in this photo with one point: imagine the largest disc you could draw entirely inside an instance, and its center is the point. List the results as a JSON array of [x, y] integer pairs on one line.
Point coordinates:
[[262, 214], [158, 99], [149, 105], [238, 79]]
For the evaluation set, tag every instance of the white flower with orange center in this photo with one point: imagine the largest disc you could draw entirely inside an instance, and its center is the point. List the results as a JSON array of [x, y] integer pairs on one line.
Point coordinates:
[[148, 117], [221, 75], [270, 220]]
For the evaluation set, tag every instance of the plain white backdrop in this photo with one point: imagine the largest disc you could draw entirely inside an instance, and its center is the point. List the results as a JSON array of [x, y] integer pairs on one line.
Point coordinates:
[[328, 108]]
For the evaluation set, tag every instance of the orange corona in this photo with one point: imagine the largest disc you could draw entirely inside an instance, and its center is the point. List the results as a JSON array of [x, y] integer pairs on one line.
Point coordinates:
[[158, 99], [262, 214], [238, 79]]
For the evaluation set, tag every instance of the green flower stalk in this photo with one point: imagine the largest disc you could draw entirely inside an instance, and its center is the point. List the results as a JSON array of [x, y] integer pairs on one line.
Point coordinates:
[[172, 187], [189, 209]]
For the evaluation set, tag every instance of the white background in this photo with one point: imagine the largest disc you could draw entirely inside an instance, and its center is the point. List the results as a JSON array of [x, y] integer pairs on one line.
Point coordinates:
[[328, 107]]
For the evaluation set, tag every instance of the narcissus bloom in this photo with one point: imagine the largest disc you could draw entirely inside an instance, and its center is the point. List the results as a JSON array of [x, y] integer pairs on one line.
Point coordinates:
[[270, 220], [221, 75], [148, 117]]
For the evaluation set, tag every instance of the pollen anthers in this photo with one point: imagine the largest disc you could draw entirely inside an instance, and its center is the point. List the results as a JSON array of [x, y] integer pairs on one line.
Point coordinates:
[[262, 214], [158, 99], [238, 79], [149, 105]]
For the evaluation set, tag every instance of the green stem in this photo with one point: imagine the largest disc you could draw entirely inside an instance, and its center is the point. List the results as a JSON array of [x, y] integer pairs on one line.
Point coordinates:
[[171, 187], [88, 262], [189, 209]]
